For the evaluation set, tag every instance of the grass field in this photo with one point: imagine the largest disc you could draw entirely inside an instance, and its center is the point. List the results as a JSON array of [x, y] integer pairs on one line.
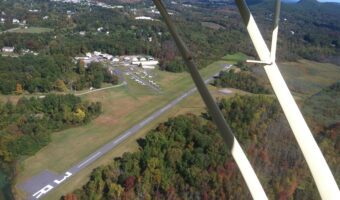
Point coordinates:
[[235, 57], [305, 78], [122, 108], [212, 25], [29, 30]]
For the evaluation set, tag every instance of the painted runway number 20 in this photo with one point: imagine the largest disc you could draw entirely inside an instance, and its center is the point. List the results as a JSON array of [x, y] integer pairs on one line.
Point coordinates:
[[48, 188]]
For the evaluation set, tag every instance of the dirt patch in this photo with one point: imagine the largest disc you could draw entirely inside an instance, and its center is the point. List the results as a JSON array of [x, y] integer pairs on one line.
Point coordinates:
[[105, 120], [212, 25], [225, 91]]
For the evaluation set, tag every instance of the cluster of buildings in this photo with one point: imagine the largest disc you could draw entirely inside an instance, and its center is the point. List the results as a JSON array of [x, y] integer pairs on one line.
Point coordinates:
[[23, 51], [144, 18], [146, 62], [151, 10], [7, 49], [13, 20], [90, 3]]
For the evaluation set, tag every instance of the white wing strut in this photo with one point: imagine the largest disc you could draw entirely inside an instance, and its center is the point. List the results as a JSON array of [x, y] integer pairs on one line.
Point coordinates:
[[317, 164], [275, 30]]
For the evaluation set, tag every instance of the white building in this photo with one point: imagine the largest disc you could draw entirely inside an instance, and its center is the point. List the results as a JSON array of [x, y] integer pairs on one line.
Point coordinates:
[[144, 18], [28, 51], [84, 58], [107, 56], [97, 53], [2, 20], [149, 64], [33, 11], [120, 7], [8, 49], [115, 59], [15, 21], [45, 17], [155, 11], [82, 33]]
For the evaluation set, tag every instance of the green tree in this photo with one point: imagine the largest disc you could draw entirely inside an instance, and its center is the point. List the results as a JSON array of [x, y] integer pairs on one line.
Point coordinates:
[[60, 86]]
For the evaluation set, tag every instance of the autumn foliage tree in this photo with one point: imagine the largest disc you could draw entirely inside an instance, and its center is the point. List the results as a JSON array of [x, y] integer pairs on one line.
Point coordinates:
[[185, 158], [27, 126], [18, 89]]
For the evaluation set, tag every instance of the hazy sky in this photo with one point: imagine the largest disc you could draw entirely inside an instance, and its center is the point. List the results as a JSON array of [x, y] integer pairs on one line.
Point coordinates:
[[322, 1], [338, 1]]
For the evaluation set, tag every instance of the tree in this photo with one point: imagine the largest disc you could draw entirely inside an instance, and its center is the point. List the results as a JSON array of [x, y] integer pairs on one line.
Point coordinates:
[[70, 197], [60, 86], [18, 89], [115, 191], [98, 79], [79, 115], [81, 67]]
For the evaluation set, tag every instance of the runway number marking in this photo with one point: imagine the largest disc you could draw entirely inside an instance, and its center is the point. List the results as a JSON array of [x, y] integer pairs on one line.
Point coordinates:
[[68, 174], [43, 191], [49, 187]]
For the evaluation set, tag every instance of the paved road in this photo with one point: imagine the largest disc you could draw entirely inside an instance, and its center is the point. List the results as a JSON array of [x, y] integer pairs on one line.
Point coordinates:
[[100, 89], [46, 181]]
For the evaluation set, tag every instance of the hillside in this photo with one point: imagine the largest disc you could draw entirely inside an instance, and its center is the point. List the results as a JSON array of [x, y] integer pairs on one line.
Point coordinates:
[[57, 33], [185, 158], [324, 106]]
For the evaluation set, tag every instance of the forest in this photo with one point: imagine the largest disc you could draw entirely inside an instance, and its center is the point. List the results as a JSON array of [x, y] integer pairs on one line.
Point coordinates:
[[44, 73], [312, 34], [185, 158], [243, 80], [27, 126], [324, 106]]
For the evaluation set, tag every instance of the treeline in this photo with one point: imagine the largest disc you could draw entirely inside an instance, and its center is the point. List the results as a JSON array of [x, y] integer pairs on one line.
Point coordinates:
[[175, 65], [308, 29], [93, 76], [242, 80], [26, 127], [318, 39], [185, 158], [44, 73]]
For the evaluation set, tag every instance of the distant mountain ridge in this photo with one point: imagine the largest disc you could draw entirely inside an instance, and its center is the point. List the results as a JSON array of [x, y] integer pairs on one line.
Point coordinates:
[[252, 2]]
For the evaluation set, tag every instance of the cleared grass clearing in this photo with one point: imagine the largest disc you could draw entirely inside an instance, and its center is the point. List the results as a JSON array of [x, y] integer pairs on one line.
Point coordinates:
[[235, 57], [29, 30], [212, 25], [308, 77], [305, 78], [122, 108]]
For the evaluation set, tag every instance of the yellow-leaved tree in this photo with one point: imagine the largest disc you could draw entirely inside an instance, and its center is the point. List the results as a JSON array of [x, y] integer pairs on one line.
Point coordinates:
[[18, 89]]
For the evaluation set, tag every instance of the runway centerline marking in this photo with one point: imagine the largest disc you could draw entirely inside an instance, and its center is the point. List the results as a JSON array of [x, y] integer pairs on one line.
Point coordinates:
[[89, 159]]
